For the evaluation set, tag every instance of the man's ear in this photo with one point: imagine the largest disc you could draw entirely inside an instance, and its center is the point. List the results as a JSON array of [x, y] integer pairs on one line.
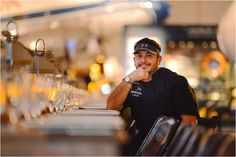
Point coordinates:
[[159, 59]]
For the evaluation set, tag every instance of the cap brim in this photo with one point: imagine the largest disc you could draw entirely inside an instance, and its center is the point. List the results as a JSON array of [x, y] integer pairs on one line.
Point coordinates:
[[148, 50]]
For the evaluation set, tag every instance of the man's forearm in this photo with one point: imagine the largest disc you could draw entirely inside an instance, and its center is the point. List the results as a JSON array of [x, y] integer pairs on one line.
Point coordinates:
[[117, 97]]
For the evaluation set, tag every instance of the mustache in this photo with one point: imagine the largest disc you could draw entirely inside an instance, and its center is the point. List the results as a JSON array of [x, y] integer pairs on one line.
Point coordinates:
[[144, 64]]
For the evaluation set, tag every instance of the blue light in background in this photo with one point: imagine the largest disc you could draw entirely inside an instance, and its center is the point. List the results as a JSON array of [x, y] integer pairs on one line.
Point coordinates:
[[162, 10], [71, 47]]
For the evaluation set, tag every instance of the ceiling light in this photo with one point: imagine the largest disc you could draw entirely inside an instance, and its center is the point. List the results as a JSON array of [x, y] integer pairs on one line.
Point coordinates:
[[190, 44], [148, 4], [213, 45], [182, 44], [171, 44], [109, 9], [53, 25], [204, 44], [32, 45], [13, 32], [106, 89]]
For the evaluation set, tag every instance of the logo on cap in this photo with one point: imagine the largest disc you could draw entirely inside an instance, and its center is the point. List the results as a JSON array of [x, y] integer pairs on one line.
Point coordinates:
[[144, 45]]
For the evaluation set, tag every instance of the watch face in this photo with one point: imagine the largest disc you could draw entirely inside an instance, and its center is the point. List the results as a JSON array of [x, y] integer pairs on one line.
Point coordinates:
[[127, 79]]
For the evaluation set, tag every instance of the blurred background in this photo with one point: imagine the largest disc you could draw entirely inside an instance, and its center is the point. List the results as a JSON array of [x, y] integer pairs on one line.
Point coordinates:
[[92, 42]]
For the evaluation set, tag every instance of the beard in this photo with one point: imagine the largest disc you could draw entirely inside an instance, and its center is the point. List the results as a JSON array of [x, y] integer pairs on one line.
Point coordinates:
[[149, 66]]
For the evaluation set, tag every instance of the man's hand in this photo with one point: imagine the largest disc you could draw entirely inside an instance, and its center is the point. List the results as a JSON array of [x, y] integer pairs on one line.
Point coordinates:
[[139, 74]]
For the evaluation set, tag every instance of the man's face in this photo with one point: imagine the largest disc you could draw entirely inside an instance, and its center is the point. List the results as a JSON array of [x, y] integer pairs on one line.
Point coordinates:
[[148, 61]]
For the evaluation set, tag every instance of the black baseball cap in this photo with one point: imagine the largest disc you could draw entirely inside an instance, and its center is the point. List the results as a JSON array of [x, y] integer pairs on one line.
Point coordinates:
[[148, 45]]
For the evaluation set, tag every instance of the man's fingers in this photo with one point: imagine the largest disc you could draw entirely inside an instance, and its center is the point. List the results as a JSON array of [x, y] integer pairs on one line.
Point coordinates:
[[145, 75], [139, 74]]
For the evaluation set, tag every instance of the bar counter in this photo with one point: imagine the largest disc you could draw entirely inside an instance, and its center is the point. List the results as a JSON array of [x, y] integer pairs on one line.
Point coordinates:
[[80, 132]]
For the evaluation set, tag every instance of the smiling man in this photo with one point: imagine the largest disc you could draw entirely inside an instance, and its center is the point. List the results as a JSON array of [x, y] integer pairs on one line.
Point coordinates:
[[152, 91]]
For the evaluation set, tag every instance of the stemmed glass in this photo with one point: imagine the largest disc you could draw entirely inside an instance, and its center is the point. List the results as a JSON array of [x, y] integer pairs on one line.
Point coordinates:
[[31, 93]]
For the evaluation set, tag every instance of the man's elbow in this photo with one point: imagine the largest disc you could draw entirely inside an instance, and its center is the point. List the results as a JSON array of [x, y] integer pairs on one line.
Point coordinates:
[[110, 104]]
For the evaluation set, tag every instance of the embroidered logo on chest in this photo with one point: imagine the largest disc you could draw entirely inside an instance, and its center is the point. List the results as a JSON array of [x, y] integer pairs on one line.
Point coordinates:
[[137, 91]]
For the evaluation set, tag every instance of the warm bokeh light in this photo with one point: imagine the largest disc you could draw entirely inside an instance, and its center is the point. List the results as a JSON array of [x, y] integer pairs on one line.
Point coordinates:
[[111, 68], [234, 92], [194, 82], [233, 104], [204, 44], [92, 86], [212, 114], [72, 72], [213, 45], [3, 95], [100, 58], [214, 96], [32, 45], [173, 65], [203, 112], [95, 72], [13, 32], [54, 24], [182, 44], [190, 44], [171, 44], [53, 94], [14, 90]]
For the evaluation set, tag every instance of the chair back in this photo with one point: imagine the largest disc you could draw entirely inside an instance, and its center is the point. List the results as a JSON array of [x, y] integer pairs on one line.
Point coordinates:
[[182, 142], [210, 145], [212, 122], [157, 136], [177, 137], [194, 141], [228, 147]]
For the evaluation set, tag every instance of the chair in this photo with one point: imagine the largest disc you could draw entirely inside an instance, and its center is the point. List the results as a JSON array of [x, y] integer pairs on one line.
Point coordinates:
[[177, 137], [210, 145], [125, 113], [182, 142], [228, 147], [194, 141], [158, 136], [212, 122]]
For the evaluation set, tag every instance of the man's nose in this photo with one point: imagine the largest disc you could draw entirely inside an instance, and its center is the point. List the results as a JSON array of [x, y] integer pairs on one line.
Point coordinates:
[[144, 58]]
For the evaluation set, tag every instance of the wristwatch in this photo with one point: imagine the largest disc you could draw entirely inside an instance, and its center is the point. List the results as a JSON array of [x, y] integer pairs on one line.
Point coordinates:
[[127, 79]]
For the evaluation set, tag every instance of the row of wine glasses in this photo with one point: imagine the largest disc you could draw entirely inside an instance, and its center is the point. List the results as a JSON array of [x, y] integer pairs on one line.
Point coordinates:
[[31, 95]]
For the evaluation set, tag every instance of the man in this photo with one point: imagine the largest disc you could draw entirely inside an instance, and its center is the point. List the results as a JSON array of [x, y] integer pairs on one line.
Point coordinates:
[[152, 91]]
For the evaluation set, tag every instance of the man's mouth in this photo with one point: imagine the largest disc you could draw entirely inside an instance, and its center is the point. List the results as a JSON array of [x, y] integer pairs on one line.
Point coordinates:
[[144, 66]]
